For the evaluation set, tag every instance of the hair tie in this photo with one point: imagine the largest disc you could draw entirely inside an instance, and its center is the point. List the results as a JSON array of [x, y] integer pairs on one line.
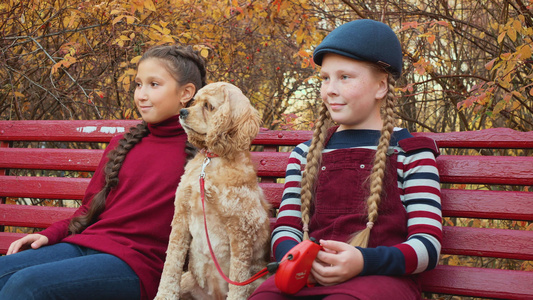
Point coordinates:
[[369, 225], [306, 228]]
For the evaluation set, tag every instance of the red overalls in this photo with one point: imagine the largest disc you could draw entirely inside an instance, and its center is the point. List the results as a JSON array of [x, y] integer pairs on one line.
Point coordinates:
[[339, 210]]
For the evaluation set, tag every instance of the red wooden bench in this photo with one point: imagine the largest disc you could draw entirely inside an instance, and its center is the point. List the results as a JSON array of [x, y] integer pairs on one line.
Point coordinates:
[[38, 162]]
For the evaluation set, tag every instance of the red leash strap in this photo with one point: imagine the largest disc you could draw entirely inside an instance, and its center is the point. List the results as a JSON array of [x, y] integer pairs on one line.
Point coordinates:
[[259, 274]]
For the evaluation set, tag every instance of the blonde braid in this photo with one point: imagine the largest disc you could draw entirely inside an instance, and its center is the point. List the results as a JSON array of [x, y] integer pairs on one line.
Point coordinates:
[[362, 237], [313, 162]]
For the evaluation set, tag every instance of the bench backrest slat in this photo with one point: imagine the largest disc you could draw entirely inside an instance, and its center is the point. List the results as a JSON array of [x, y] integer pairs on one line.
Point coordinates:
[[484, 204], [495, 138], [452, 169], [479, 282], [50, 159], [486, 169], [103, 130], [43, 187], [488, 242], [64, 131]]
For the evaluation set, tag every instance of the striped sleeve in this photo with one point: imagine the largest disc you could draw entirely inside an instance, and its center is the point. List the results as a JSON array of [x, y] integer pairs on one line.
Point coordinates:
[[421, 197], [419, 184], [288, 229]]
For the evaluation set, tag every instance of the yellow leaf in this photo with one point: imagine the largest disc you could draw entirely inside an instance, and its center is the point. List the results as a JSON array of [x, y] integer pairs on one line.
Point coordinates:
[[168, 39], [204, 53], [130, 19], [525, 52], [117, 19], [512, 34], [19, 94], [124, 38], [156, 27], [114, 12], [149, 5], [501, 37], [517, 26]]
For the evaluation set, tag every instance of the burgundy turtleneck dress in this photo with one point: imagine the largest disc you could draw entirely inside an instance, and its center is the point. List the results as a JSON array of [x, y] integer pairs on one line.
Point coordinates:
[[135, 225]]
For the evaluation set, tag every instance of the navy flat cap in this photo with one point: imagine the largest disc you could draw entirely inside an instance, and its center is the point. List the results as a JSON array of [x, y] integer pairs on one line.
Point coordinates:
[[365, 40]]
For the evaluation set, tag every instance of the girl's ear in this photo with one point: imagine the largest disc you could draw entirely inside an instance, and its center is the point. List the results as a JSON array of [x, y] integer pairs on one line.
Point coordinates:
[[383, 87], [187, 92]]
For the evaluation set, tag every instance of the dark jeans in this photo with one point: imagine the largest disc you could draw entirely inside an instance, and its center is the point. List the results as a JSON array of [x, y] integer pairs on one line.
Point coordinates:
[[66, 271]]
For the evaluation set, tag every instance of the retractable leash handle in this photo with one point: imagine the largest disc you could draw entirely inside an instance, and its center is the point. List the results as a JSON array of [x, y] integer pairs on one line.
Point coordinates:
[[293, 272]]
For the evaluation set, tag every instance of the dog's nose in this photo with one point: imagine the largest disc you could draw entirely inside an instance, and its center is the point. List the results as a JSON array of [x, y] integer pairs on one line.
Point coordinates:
[[183, 113]]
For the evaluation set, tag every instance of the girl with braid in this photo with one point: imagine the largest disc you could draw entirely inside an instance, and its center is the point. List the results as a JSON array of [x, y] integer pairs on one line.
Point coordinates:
[[366, 190], [114, 245]]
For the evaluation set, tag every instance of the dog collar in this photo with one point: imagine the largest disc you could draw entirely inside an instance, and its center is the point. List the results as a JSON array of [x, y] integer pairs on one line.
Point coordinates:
[[208, 153]]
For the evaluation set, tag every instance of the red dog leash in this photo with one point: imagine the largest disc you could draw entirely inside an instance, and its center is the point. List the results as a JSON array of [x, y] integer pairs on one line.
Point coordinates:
[[295, 266], [259, 274]]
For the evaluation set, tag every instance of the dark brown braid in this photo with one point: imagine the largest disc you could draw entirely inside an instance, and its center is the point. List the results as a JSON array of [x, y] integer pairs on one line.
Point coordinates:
[[186, 66]]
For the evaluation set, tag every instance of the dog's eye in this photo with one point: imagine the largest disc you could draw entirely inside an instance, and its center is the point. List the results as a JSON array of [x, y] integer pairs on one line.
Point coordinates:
[[208, 107]]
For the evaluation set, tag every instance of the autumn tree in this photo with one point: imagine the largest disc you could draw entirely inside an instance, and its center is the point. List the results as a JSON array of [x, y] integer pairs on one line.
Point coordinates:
[[467, 64]]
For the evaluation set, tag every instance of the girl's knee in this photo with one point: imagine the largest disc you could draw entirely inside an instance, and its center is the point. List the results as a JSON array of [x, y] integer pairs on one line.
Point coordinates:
[[20, 285]]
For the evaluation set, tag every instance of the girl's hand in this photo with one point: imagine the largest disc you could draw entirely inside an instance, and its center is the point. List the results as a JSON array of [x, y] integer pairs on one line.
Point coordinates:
[[337, 263], [31, 240]]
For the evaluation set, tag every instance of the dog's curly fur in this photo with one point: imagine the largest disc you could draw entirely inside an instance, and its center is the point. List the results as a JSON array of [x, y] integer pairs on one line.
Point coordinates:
[[222, 121]]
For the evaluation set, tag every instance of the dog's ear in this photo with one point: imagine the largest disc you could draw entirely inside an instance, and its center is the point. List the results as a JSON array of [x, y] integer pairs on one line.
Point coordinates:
[[247, 127], [239, 123], [220, 123]]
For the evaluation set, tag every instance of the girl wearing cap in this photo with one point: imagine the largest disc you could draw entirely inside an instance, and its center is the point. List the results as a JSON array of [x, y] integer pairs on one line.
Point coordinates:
[[366, 190]]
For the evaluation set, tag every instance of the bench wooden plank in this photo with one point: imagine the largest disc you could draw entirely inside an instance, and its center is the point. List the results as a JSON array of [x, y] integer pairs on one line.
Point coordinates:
[[493, 138], [63, 130], [452, 168], [103, 130], [32, 216], [488, 242], [455, 203], [478, 282], [50, 159], [514, 170], [43, 187], [268, 164], [487, 204]]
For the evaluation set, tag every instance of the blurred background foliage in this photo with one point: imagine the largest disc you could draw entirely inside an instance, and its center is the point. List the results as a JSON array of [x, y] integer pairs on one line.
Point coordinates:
[[467, 64]]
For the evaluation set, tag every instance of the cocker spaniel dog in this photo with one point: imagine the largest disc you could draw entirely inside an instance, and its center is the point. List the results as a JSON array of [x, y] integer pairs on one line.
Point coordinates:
[[222, 123]]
